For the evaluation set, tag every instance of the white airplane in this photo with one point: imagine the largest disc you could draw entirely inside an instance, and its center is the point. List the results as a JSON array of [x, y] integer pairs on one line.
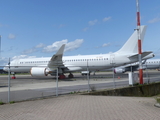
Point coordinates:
[[147, 64], [67, 64]]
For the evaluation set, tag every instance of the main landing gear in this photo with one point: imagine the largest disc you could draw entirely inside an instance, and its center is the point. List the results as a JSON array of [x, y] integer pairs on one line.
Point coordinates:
[[70, 75], [13, 77], [62, 76]]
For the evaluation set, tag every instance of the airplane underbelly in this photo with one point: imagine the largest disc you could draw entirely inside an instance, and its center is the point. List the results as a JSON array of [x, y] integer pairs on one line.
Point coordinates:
[[74, 68], [20, 69]]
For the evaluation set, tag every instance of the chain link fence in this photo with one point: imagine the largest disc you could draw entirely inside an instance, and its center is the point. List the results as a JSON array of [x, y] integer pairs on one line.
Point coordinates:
[[26, 87]]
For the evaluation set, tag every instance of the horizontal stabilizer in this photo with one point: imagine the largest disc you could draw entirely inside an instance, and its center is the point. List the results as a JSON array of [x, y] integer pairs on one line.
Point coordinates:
[[144, 54]]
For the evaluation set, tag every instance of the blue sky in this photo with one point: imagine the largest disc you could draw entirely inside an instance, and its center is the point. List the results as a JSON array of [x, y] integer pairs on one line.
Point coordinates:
[[37, 28]]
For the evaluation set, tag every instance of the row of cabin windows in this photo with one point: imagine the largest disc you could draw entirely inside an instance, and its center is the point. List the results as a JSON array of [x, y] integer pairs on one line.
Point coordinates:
[[85, 60], [32, 62], [154, 62], [149, 62]]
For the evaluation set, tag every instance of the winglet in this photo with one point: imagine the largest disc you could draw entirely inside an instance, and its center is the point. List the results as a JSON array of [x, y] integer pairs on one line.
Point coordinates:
[[59, 53], [56, 59], [61, 50]]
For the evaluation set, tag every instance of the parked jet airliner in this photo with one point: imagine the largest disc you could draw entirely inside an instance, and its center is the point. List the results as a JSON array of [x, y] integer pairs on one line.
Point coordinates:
[[147, 64], [67, 64]]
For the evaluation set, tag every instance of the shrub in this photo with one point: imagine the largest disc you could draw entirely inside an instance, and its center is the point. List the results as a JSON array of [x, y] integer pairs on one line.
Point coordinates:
[[1, 103]]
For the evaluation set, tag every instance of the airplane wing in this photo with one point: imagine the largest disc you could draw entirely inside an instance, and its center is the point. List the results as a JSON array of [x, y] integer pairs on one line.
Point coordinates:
[[56, 60]]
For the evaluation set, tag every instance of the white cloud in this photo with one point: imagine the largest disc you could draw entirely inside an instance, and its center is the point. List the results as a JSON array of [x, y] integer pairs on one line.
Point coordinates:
[[85, 29], [55, 46], [11, 36], [69, 46], [34, 49], [22, 57], [106, 19], [91, 23], [154, 20], [29, 51], [4, 61], [40, 45], [73, 45], [105, 45]]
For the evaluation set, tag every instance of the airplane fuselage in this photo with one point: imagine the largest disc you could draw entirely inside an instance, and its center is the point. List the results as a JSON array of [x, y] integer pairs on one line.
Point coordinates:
[[74, 63], [149, 64], [152, 64]]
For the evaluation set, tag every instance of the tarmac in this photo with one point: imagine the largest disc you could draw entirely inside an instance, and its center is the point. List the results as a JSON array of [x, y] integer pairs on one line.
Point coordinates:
[[26, 87], [83, 107], [73, 106]]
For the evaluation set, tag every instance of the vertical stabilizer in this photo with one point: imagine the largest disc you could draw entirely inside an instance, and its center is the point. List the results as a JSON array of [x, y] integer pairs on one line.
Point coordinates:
[[131, 46]]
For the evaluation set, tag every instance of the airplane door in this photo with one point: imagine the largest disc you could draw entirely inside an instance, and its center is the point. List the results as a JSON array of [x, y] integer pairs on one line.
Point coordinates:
[[112, 59], [16, 63]]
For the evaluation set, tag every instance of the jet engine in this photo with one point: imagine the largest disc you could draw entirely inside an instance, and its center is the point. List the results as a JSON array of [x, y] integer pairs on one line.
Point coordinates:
[[39, 71], [119, 70]]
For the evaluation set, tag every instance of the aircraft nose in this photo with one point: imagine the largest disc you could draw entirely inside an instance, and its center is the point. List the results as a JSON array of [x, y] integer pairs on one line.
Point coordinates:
[[5, 68]]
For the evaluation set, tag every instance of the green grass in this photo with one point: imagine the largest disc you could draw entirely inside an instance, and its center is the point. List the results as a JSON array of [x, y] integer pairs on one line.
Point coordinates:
[[1, 103], [11, 102]]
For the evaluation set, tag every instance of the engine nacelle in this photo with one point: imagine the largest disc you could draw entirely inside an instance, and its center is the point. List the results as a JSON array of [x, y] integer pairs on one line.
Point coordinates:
[[85, 73], [119, 70], [39, 71]]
